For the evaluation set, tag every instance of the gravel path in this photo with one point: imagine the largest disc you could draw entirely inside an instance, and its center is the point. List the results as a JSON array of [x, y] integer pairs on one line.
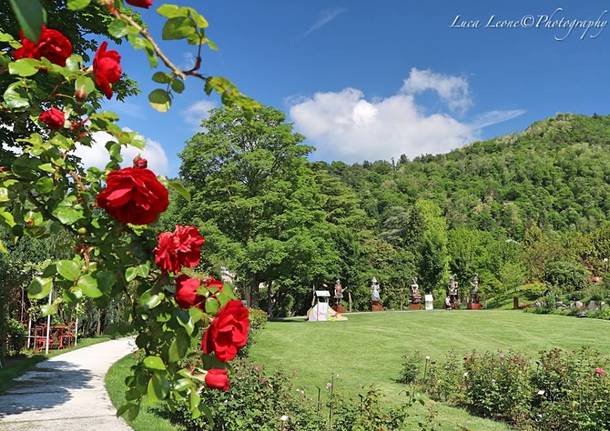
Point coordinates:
[[66, 392]]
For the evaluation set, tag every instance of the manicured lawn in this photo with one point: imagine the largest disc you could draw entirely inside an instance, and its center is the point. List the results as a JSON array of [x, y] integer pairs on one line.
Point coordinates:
[[15, 367], [115, 385], [367, 349]]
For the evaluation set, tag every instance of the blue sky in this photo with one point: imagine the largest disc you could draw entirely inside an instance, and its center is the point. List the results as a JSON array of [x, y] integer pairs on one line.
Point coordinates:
[[373, 80]]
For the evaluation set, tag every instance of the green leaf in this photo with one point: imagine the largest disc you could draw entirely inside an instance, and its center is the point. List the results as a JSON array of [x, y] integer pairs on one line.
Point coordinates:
[[179, 188], [136, 271], [88, 285], [44, 185], [40, 287], [160, 100], [46, 167], [78, 4], [73, 62], [158, 388], [178, 28], [178, 85], [184, 319], [83, 86], [68, 269], [154, 363], [68, 215], [24, 67], [118, 29], [105, 281], [150, 300], [162, 77], [170, 11], [13, 98], [7, 217], [31, 16], [194, 404], [3, 248], [3, 194], [179, 346], [212, 305]]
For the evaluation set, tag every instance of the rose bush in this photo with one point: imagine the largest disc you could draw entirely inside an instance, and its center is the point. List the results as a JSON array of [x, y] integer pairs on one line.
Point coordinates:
[[54, 96]]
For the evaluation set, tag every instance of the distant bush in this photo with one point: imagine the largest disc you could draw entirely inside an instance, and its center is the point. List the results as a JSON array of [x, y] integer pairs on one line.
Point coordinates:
[[119, 329], [16, 336], [562, 391], [566, 276], [532, 291]]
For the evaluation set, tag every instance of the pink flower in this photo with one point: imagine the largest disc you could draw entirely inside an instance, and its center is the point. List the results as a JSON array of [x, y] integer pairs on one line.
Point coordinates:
[[599, 371]]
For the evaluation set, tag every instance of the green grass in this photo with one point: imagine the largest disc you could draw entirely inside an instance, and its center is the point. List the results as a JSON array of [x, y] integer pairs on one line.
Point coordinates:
[[15, 367], [115, 385], [367, 349]]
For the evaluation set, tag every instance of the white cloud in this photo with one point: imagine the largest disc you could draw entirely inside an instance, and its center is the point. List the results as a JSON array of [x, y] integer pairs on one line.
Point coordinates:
[[453, 90], [198, 111], [345, 125], [97, 155], [324, 18], [490, 118]]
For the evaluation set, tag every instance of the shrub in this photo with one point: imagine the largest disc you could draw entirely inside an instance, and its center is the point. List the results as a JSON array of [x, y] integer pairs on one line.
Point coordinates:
[[567, 276], [261, 401], [16, 336], [258, 320], [497, 385], [370, 414], [573, 391], [565, 391], [443, 380], [412, 367]]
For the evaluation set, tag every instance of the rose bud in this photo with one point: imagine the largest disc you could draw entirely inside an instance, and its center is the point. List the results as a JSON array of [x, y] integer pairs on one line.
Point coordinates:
[[141, 3], [140, 162]]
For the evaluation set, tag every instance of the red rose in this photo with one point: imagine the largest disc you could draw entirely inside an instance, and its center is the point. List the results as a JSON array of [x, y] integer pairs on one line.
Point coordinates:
[[133, 195], [179, 248], [140, 162], [186, 292], [106, 69], [213, 284], [141, 3], [600, 372], [217, 378], [54, 118], [228, 331], [52, 45]]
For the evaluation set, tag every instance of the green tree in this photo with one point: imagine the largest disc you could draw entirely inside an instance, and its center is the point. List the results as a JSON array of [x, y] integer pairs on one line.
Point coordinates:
[[251, 181]]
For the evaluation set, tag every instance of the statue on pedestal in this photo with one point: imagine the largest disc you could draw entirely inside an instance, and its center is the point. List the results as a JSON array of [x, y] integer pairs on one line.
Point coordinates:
[[414, 295], [339, 297], [475, 300], [375, 296], [453, 292]]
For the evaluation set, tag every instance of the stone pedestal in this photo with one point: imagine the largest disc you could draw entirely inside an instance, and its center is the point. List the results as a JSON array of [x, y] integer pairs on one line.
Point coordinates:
[[474, 306], [414, 306], [376, 306], [339, 309]]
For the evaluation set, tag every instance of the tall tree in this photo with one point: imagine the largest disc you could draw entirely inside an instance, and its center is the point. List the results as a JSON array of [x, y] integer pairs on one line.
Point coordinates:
[[251, 181]]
